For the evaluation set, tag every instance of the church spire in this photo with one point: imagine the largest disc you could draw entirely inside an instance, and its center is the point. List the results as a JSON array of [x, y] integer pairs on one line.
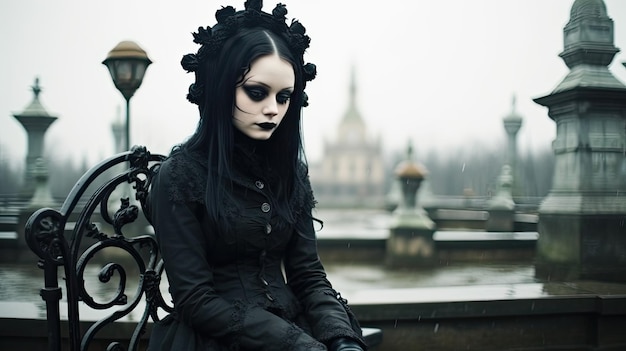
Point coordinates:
[[352, 114]]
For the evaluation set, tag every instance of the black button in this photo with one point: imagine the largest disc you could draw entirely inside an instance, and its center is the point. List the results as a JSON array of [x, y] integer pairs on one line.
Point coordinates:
[[259, 184], [265, 207]]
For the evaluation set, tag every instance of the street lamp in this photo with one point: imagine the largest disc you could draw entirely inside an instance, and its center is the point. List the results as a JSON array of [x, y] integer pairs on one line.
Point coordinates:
[[127, 63]]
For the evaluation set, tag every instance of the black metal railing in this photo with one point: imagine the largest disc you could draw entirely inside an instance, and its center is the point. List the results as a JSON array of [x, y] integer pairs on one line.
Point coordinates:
[[72, 250]]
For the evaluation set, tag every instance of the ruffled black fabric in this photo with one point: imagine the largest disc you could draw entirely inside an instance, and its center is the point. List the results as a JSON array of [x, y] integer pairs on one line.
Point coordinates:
[[191, 169], [189, 177], [251, 288]]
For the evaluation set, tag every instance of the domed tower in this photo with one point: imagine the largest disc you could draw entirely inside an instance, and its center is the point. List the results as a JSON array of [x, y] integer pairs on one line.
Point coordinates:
[[352, 171], [581, 220]]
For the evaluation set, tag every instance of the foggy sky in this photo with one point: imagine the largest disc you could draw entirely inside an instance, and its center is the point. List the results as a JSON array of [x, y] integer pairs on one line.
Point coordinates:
[[441, 73]]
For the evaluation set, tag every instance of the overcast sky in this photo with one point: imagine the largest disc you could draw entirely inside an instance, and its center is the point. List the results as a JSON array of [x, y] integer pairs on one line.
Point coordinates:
[[441, 73]]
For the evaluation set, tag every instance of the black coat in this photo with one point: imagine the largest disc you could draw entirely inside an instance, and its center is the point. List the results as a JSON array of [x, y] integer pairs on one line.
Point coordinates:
[[260, 286]]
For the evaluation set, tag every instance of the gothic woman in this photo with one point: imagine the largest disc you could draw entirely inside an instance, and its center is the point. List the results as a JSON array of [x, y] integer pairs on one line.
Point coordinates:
[[232, 205]]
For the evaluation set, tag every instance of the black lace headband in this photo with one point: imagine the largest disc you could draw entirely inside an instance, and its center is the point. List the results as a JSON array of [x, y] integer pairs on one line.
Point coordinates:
[[229, 22]]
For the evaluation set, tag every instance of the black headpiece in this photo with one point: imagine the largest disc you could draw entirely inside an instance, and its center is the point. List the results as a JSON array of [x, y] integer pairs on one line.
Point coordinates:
[[229, 22]]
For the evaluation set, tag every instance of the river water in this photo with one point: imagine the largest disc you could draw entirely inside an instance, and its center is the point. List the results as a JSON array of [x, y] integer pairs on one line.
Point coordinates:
[[22, 282]]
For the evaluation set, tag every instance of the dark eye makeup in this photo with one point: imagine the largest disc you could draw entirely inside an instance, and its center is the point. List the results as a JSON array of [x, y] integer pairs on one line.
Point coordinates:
[[258, 93], [255, 92], [283, 97]]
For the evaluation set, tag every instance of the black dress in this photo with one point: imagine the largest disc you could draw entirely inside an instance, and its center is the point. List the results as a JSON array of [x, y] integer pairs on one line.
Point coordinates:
[[260, 286]]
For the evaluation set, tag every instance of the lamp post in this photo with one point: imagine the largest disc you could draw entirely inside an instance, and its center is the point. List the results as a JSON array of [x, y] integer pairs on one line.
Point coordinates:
[[127, 63]]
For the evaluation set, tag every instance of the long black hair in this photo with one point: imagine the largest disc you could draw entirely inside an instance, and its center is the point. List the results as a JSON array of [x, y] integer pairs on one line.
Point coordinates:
[[214, 135]]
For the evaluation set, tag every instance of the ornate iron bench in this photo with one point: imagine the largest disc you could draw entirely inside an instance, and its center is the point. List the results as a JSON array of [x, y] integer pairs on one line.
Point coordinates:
[[74, 239]]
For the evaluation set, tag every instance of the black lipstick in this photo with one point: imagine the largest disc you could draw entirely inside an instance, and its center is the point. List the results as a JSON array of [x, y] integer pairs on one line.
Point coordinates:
[[267, 125]]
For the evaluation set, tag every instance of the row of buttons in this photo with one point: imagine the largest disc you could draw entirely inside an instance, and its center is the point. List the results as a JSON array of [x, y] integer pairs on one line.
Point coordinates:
[[265, 207]]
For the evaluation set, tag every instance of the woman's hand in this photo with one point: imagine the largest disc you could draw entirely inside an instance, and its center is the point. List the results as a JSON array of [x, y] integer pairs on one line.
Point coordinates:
[[345, 344]]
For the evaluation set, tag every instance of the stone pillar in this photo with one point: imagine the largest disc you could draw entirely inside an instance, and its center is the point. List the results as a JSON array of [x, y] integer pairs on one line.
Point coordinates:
[[35, 120], [410, 240], [501, 207], [582, 234], [512, 124], [42, 196]]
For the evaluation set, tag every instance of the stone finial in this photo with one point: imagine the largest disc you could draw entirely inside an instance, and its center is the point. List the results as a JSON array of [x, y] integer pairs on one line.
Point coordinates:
[[35, 108], [588, 8], [409, 169], [410, 175], [588, 41], [588, 36]]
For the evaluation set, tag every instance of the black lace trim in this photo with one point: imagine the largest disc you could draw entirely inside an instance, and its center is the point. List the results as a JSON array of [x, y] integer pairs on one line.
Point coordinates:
[[236, 324], [189, 171], [188, 180], [188, 177], [331, 332], [291, 336]]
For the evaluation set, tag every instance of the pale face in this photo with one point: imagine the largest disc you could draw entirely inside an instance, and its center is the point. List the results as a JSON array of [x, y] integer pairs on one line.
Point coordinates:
[[262, 99]]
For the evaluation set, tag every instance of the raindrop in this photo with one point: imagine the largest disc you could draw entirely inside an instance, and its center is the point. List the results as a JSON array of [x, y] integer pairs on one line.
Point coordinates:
[[395, 323], [463, 168], [436, 328]]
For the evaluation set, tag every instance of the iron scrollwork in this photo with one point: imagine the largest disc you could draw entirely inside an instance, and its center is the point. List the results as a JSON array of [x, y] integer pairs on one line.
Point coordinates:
[[136, 260]]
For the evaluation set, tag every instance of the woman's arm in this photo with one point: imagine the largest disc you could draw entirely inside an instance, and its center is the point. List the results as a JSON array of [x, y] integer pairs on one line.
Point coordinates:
[[327, 312]]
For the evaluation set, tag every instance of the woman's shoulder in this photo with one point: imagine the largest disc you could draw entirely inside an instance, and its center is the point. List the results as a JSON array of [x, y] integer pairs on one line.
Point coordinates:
[[184, 160], [303, 196], [184, 174]]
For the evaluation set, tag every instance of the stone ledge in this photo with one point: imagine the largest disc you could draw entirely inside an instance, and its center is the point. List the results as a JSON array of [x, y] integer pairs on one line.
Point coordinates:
[[564, 316]]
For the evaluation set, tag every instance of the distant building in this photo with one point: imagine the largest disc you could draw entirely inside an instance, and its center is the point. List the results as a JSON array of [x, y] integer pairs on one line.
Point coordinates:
[[351, 172]]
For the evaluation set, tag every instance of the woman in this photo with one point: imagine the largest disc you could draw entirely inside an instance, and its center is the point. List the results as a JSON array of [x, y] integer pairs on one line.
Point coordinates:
[[232, 205]]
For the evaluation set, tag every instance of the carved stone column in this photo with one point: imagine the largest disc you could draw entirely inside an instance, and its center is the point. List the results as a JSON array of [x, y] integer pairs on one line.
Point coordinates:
[[582, 230], [35, 120]]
